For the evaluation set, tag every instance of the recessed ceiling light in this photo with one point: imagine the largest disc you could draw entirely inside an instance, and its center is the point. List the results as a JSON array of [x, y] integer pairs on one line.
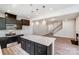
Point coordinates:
[[32, 23], [37, 14], [28, 16], [6, 15], [8, 10], [37, 9], [37, 23], [50, 8], [30, 4], [43, 22], [32, 11], [14, 5], [44, 6]]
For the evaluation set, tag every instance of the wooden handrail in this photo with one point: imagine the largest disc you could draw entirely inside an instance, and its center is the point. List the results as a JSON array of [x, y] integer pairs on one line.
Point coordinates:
[[60, 25], [57, 27]]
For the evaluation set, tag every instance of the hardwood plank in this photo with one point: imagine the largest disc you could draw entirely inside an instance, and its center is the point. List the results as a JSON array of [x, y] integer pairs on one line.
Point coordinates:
[[14, 50]]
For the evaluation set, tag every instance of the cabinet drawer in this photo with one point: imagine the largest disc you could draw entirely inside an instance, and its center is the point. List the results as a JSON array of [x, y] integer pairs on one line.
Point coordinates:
[[28, 46]]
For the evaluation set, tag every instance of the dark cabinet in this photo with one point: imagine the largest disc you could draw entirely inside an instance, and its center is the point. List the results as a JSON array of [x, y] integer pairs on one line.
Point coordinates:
[[25, 22], [18, 24], [23, 42], [34, 48], [2, 24], [10, 18], [11, 39], [3, 42], [40, 49], [28, 46]]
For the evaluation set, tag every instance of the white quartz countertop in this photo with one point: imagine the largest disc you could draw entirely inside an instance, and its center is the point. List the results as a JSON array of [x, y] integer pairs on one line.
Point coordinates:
[[40, 39]]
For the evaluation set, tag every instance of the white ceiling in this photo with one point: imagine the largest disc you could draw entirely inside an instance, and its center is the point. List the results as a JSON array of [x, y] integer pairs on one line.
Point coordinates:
[[29, 10], [65, 17]]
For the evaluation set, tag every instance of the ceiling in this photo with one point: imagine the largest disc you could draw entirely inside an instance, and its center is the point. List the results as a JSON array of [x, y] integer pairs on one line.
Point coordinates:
[[32, 10], [65, 17]]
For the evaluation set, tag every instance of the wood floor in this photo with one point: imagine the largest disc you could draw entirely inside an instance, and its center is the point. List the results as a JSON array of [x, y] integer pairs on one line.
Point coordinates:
[[63, 46], [14, 50]]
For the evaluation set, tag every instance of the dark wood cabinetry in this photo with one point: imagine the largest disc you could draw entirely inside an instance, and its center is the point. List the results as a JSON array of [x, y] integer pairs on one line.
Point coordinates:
[[2, 23], [10, 18], [34, 48], [25, 22], [23, 42], [28, 46], [18, 24], [3, 42], [40, 49]]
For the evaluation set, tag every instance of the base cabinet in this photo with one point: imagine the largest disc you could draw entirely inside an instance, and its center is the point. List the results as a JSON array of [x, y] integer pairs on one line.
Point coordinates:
[[34, 48], [23, 44], [28, 46], [40, 49]]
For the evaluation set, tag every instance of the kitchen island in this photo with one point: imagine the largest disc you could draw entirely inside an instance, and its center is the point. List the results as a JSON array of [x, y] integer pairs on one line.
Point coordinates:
[[38, 45]]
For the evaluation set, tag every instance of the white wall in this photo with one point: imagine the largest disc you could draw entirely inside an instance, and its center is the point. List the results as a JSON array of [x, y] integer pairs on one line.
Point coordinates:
[[68, 29], [40, 28], [2, 15], [27, 29], [77, 24]]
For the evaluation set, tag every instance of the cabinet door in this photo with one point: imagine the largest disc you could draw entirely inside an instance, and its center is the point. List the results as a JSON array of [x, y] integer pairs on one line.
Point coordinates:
[[32, 48], [3, 43], [19, 24], [2, 24], [23, 44], [40, 49], [28, 46]]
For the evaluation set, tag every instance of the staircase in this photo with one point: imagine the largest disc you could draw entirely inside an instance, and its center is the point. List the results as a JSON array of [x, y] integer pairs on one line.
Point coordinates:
[[53, 28]]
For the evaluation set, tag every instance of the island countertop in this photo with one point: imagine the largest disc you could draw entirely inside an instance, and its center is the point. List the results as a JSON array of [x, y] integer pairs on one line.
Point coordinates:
[[39, 39]]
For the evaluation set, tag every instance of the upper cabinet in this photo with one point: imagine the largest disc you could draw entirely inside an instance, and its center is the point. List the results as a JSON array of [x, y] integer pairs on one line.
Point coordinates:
[[18, 24], [9, 21], [10, 18], [2, 23], [25, 22]]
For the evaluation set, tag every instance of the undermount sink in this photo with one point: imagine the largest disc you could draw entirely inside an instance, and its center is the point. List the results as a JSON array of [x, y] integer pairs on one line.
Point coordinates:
[[10, 34]]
